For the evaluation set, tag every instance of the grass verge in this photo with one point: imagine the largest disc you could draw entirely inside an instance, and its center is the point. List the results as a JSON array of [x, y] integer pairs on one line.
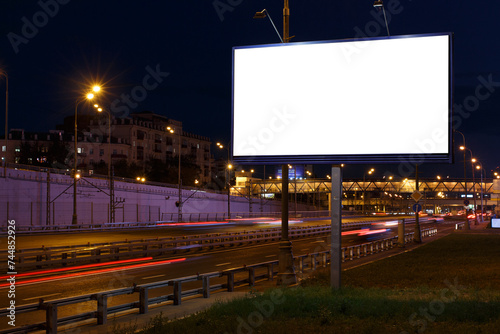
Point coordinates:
[[447, 286]]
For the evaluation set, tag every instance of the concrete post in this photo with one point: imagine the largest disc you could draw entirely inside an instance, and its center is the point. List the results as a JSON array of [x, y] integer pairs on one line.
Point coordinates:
[[51, 318], [401, 233], [143, 300], [336, 229], [102, 309]]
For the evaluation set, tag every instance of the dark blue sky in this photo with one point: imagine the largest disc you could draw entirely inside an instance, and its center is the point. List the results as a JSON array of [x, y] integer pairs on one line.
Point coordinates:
[[114, 42]]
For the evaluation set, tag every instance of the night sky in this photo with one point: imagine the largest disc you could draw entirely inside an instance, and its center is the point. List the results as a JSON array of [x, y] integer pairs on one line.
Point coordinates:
[[188, 44]]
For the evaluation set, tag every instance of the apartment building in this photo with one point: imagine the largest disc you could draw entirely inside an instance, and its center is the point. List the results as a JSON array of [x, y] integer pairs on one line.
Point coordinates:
[[136, 139]]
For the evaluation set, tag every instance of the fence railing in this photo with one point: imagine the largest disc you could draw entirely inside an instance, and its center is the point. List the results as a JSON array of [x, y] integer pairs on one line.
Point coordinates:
[[232, 278], [97, 252]]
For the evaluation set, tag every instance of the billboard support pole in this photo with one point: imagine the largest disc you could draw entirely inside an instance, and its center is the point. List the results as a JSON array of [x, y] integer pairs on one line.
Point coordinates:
[[336, 221], [286, 270]]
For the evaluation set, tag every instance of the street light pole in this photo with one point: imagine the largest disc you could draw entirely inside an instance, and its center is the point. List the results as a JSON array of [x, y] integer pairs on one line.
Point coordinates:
[[472, 161], [89, 96], [179, 180], [286, 275], [286, 22], [481, 169], [6, 121], [364, 187], [110, 173], [74, 221], [465, 178], [286, 271], [227, 177], [229, 167]]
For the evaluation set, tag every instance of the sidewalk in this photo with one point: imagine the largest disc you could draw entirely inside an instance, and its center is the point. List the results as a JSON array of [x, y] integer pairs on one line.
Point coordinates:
[[193, 305]]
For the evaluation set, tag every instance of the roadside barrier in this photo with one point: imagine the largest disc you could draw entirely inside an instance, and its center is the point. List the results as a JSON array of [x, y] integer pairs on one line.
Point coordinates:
[[37, 258], [204, 285]]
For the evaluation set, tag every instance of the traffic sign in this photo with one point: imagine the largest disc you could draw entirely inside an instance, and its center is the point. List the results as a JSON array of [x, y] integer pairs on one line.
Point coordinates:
[[466, 202], [417, 207], [417, 195]]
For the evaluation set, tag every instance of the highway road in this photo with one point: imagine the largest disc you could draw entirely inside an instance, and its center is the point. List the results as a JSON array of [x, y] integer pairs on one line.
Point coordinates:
[[73, 282], [38, 240]]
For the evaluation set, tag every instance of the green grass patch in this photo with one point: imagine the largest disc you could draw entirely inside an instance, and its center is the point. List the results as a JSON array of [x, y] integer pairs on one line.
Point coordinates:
[[447, 286]]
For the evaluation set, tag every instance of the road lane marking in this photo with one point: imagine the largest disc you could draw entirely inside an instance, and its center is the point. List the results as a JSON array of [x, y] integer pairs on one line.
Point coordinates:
[[317, 241], [270, 255], [304, 249], [33, 298], [153, 276], [222, 264]]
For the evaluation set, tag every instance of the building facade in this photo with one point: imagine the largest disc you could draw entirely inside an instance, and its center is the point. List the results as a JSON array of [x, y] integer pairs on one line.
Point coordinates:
[[136, 139]]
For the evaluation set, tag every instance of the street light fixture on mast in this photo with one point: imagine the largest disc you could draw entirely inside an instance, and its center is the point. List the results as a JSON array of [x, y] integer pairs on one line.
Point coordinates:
[[370, 172], [110, 172], [480, 167], [286, 271], [179, 179], [465, 176], [76, 176], [473, 160], [229, 167]]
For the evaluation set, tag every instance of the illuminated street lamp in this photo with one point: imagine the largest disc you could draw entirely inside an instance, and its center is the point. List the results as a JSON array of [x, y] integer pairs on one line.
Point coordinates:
[[262, 15], [110, 174], [480, 167], [462, 148], [228, 179], [286, 270], [378, 5], [364, 186], [89, 96], [179, 180], [229, 168]]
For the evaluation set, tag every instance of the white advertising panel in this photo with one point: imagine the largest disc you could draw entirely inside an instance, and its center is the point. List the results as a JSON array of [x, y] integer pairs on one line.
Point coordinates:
[[357, 101]]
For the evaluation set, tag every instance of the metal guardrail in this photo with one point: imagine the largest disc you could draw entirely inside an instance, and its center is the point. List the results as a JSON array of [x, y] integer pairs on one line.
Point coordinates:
[[233, 278], [97, 252]]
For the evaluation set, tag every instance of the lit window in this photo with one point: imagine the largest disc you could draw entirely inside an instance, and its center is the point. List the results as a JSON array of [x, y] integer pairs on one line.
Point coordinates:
[[79, 150], [4, 148]]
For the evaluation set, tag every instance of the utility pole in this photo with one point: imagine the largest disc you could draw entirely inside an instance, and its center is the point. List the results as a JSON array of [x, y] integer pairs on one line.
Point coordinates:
[[417, 237], [286, 270]]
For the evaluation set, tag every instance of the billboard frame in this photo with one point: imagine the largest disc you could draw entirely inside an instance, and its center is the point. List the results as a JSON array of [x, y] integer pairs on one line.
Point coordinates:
[[416, 158]]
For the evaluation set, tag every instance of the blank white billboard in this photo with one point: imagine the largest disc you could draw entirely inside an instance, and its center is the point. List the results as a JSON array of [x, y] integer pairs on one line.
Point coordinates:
[[370, 100]]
